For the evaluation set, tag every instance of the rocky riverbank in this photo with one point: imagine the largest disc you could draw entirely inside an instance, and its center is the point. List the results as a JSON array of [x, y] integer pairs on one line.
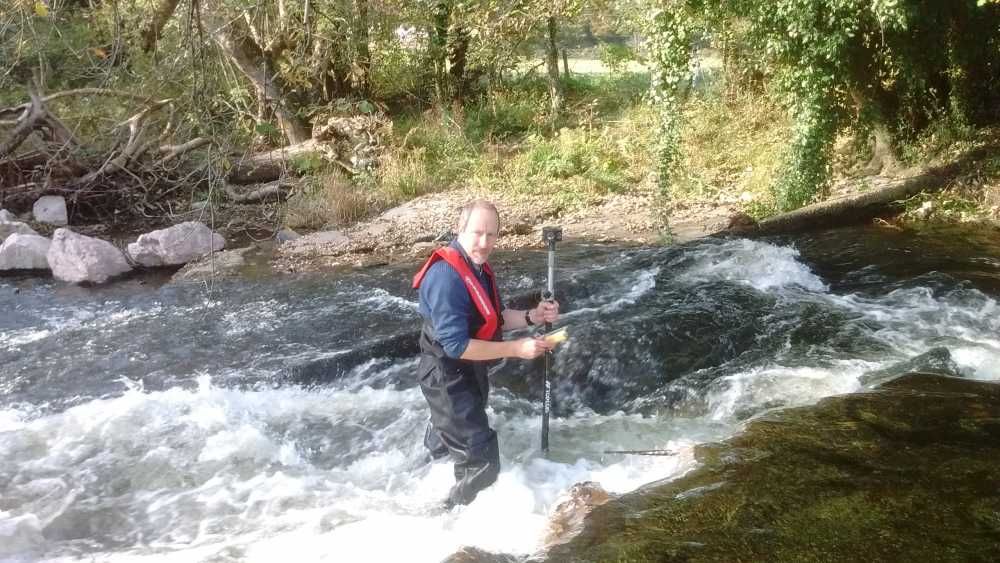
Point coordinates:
[[411, 230]]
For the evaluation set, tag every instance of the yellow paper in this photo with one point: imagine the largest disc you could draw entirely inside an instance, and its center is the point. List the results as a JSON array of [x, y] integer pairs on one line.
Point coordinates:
[[557, 336]]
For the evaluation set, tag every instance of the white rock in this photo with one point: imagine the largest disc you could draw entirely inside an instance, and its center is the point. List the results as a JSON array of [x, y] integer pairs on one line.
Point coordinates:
[[24, 252], [7, 216], [179, 244], [286, 235], [51, 209], [8, 228], [78, 258], [225, 264]]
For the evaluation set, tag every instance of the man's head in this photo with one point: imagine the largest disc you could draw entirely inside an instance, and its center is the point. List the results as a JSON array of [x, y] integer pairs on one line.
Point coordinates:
[[478, 229]]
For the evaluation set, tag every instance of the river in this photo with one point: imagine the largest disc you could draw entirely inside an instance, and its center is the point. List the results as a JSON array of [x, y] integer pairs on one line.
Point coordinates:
[[254, 419]]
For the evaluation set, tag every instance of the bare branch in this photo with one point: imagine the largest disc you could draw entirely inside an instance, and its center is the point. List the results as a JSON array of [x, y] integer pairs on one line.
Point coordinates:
[[173, 151], [133, 147], [26, 125], [77, 92]]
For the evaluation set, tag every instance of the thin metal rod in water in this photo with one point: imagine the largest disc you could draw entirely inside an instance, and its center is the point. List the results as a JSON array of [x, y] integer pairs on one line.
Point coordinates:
[[551, 235], [641, 452]]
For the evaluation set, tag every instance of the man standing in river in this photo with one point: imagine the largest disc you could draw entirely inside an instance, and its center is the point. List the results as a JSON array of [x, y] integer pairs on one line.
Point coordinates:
[[461, 335]]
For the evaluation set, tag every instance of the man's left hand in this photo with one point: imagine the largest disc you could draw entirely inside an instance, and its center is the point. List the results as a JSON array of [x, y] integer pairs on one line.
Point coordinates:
[[545, 312]]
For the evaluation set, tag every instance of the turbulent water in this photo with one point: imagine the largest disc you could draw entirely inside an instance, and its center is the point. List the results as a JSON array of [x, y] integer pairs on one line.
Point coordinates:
[[253, 420]]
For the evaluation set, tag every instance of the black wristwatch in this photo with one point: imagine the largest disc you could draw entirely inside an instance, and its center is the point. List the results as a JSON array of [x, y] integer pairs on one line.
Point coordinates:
[[527, 317]]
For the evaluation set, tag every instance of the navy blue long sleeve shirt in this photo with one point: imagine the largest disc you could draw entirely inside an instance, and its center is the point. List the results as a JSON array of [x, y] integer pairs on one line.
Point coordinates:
[[445, 302]]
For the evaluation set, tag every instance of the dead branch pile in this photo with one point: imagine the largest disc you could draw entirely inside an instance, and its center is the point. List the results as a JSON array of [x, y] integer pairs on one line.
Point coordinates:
[[144, 173], [140, 176]]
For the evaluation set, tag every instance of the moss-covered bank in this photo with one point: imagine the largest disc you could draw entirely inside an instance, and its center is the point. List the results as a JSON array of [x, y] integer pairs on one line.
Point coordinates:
[[906, 472]]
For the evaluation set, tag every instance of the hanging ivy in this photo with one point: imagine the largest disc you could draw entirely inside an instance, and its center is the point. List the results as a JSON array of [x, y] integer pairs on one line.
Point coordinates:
[[668, 28], [887, 64]]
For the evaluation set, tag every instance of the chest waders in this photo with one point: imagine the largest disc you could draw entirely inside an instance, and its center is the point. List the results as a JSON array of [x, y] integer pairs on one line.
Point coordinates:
[[457, 390]]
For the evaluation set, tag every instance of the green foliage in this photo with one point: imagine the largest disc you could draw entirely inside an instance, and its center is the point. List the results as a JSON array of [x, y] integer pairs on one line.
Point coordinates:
[[946, 134], [398, 73], [431, 155], [615, 56], [309, 163], [731, 150], [606, 96], [807, 170], [592, 161], [506, 114], [669, 32], [837, 60]]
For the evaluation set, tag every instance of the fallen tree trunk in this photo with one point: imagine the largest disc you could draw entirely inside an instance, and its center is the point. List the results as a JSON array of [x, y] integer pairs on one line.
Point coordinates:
[[273, 191], [860, 207], [270, 166]]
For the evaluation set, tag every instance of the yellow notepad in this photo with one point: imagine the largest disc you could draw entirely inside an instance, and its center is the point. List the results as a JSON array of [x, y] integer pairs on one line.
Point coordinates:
[[556, 336]]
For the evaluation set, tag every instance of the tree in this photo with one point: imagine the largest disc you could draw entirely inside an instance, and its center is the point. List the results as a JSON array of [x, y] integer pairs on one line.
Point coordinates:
[[842, 64]]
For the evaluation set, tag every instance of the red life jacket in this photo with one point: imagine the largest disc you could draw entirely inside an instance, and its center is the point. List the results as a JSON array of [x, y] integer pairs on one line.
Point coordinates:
[[488, 307]]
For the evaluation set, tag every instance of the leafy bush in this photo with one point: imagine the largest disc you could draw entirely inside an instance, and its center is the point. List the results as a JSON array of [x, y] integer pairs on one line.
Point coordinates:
[[615, 56], [504, 115], [595, 160]]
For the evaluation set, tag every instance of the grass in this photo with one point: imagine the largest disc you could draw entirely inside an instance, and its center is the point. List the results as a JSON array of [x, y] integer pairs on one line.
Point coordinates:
[[329, 199], [508, 143], [601, 144], [732, 149]]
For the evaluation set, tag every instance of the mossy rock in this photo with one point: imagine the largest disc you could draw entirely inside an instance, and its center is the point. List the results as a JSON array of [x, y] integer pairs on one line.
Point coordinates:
[[908, 471]]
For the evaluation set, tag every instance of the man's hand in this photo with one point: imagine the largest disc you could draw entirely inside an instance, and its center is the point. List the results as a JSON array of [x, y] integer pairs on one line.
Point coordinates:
[[531, 347], [545, 312]]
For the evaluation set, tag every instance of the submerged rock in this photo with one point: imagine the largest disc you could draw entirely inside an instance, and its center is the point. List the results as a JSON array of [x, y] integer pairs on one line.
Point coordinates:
[[906, 472], [570, 511], [936, 360], [224, 264]]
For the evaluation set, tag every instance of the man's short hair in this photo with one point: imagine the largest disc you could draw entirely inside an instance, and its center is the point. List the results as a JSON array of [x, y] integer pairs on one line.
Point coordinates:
[[466, 210]]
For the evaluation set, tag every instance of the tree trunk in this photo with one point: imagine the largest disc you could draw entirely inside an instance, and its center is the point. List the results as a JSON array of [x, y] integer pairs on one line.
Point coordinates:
[[359, 33], [161, 15], [270, 166], [864, 206], [233, 39], [552, 65], [884, 155], [439, 48], [457, 57]]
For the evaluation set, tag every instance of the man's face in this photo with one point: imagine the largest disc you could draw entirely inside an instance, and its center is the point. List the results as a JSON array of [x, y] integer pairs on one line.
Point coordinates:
[[479, 235]]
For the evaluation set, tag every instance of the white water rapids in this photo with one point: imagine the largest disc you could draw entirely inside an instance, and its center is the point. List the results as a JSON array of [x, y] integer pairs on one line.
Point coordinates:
[[263, 473]]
